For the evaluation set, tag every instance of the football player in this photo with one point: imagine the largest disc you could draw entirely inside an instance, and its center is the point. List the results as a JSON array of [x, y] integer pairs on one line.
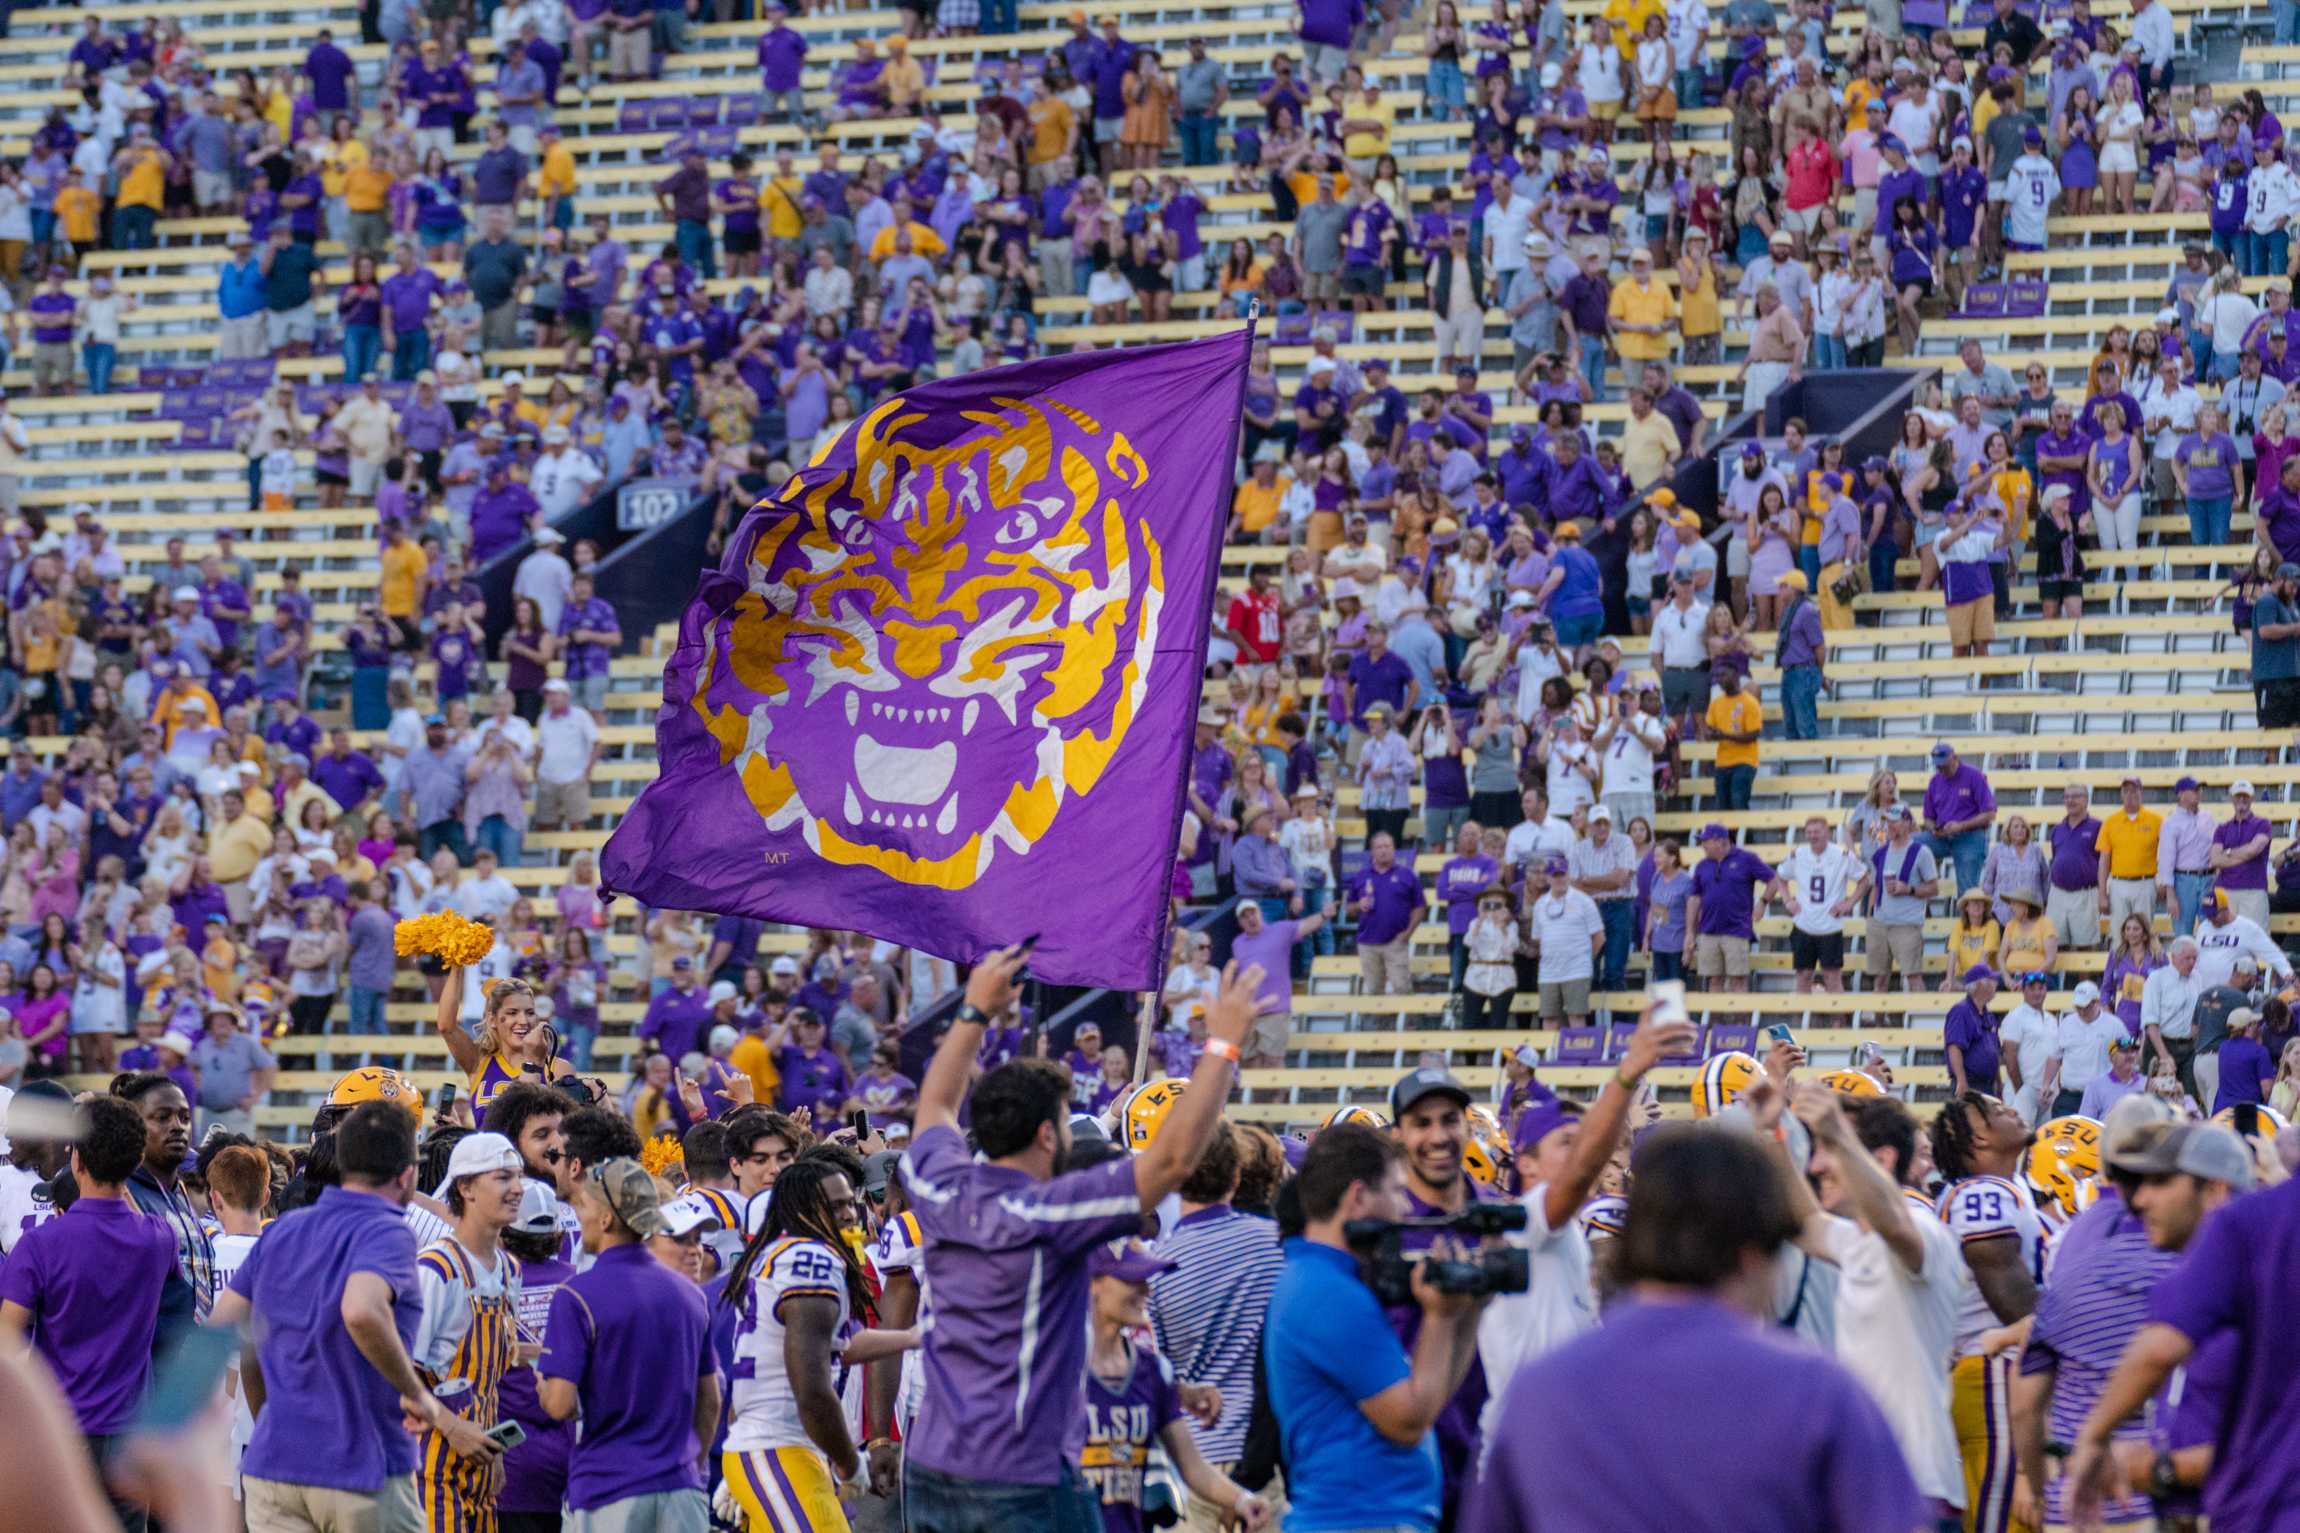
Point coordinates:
[[1978, 1143]]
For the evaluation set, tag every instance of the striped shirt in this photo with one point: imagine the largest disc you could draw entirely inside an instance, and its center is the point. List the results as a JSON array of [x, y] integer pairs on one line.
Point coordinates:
[[1207, 1313], [2093, 1302]]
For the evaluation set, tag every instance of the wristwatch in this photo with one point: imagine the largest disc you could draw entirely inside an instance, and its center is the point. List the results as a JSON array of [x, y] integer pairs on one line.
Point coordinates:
[[2163, 1476], [969, 1012]]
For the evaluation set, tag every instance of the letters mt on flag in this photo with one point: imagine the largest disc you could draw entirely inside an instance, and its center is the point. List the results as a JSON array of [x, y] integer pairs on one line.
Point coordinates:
[[941, 686]]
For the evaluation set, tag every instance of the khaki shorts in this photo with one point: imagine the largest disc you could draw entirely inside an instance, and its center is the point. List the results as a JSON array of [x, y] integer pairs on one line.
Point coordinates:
[[563, 803], [1269, 1035], [1564, 998], [1803, 220], [1893, 945], [1973, 622], [1717, 957], [274, 1506], [627, 52]]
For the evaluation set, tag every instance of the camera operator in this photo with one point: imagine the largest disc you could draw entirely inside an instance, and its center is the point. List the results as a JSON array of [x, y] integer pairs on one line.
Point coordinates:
[[1356, 1417], [1561, 1152]]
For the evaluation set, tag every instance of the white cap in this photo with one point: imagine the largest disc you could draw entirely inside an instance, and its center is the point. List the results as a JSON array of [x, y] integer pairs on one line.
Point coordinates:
[[723, 990], [514, 376], [1321, 364], [1537, 244], [1601, 812], [538, 1210], [185, 593], [2244, 787], [2085, 994], [684, 1216], [478, 1154], [1528, 1056], [555, 684], [723, 1038], [554, 433], [551, 535], [177, 1042], [784, 965]]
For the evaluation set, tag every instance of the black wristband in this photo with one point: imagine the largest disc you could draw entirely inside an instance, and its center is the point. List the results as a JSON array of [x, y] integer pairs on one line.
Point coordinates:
[[969, 1012]]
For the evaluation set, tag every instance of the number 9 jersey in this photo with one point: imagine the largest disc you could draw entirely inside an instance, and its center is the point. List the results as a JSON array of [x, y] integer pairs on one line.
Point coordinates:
[[766, 1411], [1982, 1208]]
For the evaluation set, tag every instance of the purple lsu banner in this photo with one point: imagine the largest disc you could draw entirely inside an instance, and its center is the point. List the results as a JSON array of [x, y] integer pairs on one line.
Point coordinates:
[[941, 686]]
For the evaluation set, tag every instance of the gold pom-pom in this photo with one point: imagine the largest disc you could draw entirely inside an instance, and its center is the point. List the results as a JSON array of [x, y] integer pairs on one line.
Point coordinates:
[[450, 938], [662, 1155]]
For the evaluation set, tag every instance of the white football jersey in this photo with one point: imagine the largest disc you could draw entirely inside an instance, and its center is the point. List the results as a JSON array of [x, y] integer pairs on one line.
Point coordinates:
[[1820, 880], [901, 1248], [766, 1410], [1981, 1208], [23, 1203]]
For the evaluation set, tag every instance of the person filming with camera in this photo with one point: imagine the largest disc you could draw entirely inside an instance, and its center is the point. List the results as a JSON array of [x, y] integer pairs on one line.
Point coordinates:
[[1356, 1410]]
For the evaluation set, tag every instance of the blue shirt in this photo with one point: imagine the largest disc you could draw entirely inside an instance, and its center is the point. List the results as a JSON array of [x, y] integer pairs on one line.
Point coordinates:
[[240, 289], [1322, 1355], [317, 1387]]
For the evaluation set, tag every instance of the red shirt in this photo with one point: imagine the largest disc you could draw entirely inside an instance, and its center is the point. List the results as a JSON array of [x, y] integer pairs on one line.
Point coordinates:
[[1254, 619], [1812, 174]]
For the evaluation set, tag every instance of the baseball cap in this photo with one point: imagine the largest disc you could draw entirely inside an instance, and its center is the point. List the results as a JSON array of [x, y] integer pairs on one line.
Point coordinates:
[[723, 990], [185, 593], [1601, 812], [538, 1211], [2085, 994], [2243, 786], [1416, 1084], [630, 1192], [1942, 750], [1129, 1261], [2133, 1114], [684, 1216], [1714, 831], [1554, 865], [177, 1042], [1542, 1116], [478, 1154], [2203, 1150], [2185, 784], [1976, 974], [555, 684], [784, 965], [682, 962]]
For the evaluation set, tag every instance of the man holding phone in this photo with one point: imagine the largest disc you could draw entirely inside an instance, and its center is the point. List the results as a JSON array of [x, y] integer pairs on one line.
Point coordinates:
[[467, 1340]]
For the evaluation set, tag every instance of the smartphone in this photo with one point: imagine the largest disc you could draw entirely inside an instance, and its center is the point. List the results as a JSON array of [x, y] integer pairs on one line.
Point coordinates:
[[1669, 1001], [507, 1434], [446, 1097], [1022, 971], [1780, 1032], [187, 1378], [859, 1121]]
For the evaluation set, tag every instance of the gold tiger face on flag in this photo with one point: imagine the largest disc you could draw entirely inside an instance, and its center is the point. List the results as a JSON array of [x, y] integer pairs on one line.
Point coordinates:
[[975, 620]]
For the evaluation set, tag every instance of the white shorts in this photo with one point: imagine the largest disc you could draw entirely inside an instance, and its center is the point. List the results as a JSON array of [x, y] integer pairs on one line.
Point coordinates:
[[1107, 286], [2118, 160]]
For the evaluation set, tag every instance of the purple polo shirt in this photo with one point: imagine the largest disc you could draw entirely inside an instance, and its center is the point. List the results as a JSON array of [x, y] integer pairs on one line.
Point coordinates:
[[52, 317], [330, 69], [813, 1079], [782, 53], [2239, 1277], [92, 1278], [1579, 1444], [1271, 947], [499, 518], [1727, 888], [2252, 873], [348, 778], [1330, 22], [1004, 1366], [2075, 853], [633, 1337], [676, 1020], [1974, 1031], [318, 1387], [1958, 795], [407, 297], [1381, 678], [1397, 902]]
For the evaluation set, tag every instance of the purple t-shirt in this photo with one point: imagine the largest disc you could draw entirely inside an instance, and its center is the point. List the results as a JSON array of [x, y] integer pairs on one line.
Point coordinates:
[[330, 69], [535, 1472], [812, 1078], [1727, 888], [1958, 795], [1123, 1420], [317, 1386], [1271, 947], [1579, 1444], [2209, 461], [782, 52], [633, 1337], [2252, 873], [92, 1278], [2239, 1277], [1460, 883], [1004, 1367], [1398, 902]]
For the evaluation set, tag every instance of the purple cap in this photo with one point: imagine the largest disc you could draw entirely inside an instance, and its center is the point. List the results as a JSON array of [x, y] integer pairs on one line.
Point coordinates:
[[1542, 1116], [1296, 1148], [1892, 141], [2185, 784], [1714, 831], [1554, 866], [1380, 362], [1977, 973], [1754, 450], [2033, 135], [1127, 1260]]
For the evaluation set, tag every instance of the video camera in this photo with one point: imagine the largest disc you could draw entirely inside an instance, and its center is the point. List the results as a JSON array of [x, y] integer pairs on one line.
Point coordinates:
[[1389, 1272]]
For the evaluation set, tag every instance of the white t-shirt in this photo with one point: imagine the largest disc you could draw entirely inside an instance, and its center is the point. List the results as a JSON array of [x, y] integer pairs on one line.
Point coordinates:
[[24, 1202], [1569, 789], [1819, 880], [2030, 187], [231, 1252], [1556, 1307], [447, 1298], [1563, 925], [1894, 1330], [2083, 1047], [2029, 1036]]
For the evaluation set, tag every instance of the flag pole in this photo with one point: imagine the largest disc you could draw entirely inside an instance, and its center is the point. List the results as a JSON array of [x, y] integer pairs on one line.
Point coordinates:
[[1163, 937]]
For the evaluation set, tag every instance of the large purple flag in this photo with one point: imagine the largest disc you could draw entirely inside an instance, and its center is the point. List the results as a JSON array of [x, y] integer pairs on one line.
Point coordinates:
[[941, 686]]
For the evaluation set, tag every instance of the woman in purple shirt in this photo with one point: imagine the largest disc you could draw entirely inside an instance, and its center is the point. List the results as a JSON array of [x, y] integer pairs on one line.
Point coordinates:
[[359, 309], [2137, 956]]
